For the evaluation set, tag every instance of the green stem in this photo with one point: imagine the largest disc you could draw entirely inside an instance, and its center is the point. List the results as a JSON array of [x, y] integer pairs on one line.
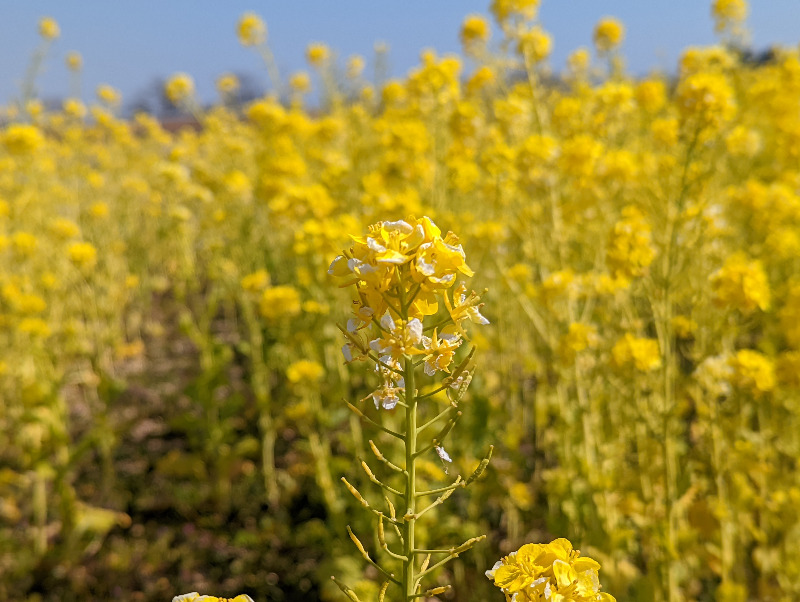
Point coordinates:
[[409, 585]]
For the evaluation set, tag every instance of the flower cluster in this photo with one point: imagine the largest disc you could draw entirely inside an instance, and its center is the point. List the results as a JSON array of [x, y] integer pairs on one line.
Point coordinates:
[[553, 572], [195, 597], [405, 268]]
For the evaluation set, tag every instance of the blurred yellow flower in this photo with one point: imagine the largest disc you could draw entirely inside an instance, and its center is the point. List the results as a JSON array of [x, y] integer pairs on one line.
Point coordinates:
[[279, 301], [22, 139], [256, 282], [48, 28], [641, 353], [74, 61], [251, 30], [109, 94], [317, 54], [741, 284], [179, 88], [227, 83], [608, 34], [304, 372], [83, 254], [753, 371], [474, 29]]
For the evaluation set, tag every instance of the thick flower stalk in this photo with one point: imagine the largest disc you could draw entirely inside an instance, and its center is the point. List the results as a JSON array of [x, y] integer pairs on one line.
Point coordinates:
[[554, 572], [409, 320]]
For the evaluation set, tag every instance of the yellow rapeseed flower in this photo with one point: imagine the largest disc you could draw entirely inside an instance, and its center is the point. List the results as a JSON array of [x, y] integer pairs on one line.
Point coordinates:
[[256, 282], [195, 597], [753, 371], [179, 87], [74, 61], [279, 302], [109, 94], [227, 83], [317, 54], [22, 139], [608, 34], [251, 30], [641, 353], [553, 571], [728, 14], [48, 28], [304, 372], [741, 284], [705, 100], [474, 30], [535, 44], [83, 254], [504, 9], [629, 250]]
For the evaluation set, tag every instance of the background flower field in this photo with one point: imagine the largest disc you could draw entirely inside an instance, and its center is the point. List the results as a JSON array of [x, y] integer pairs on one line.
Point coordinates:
[[173, 391]]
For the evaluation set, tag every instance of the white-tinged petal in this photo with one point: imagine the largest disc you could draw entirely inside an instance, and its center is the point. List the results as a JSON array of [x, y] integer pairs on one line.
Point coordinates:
[[414, 329], [401, 225], [490, 573], [337, 265], [443, 454], [387, 321], [347, 352], [375, 246], [476, 316]]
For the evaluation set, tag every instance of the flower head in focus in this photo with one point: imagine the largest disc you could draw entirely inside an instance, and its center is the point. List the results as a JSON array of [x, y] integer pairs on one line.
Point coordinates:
[[553, 571]]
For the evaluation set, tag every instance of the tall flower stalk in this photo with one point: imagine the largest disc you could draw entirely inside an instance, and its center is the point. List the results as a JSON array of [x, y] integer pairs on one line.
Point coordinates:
[[409, 319]]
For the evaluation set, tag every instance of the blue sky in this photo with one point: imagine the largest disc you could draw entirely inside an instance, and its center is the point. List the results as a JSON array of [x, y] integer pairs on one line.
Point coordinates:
[[130, 44]]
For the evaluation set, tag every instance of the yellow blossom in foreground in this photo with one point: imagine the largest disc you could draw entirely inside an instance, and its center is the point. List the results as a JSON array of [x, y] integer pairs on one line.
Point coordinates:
[[21, 139], [553, 571], [195, 597], [608, 34], [48, 28], [641, 353], [251, 30]]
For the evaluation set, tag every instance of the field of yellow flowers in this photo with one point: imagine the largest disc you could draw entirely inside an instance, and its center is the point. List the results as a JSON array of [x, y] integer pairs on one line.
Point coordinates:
[[174, 396]]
